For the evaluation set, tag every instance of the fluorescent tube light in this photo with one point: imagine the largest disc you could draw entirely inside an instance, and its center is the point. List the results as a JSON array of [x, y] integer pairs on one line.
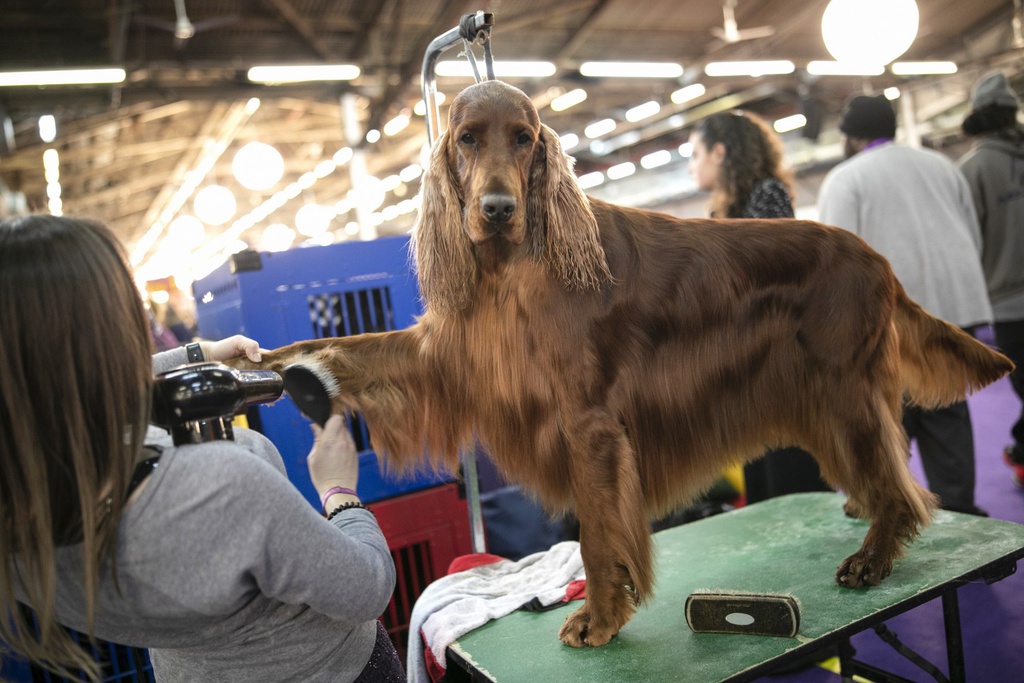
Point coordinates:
[[569, 99], [626, 168], [788, 123], [642, 111], [922, 68], [690, 92], [588, 180], [750, 68], [826, 68], [631, 69], [61, 77], [461, 67], [656, 159], [298, 73], [599, 128]]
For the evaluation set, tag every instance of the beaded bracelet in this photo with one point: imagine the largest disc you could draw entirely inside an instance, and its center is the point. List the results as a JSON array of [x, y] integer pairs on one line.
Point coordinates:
[[347, 506]]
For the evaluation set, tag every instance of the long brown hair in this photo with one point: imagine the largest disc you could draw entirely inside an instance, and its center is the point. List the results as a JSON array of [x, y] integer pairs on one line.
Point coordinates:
[[753, 152], [75, 379]]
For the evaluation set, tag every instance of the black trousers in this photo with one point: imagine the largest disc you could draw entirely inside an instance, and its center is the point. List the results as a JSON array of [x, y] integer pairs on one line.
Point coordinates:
[[782, 471], [945, 439], [1010, 340]]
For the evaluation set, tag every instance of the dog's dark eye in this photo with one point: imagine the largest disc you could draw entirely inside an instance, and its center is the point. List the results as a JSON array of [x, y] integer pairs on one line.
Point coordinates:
[[467, 139], [524, 139]]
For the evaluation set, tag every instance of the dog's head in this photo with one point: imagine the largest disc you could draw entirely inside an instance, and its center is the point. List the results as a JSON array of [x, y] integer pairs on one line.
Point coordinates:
[[498, 173]]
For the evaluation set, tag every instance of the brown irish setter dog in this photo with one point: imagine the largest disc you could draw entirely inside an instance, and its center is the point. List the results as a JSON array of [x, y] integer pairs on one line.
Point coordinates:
[[613, 361]]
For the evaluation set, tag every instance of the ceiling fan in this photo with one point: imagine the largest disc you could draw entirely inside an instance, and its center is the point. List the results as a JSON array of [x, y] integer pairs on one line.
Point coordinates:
[[731, 33], [183, 28]]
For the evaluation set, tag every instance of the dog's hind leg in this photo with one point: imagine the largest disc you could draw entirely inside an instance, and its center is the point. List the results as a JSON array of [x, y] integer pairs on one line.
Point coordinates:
[[614, 532], [867, 458]]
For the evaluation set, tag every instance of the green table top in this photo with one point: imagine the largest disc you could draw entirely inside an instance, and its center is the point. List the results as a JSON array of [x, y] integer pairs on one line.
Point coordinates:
[[789, 545]]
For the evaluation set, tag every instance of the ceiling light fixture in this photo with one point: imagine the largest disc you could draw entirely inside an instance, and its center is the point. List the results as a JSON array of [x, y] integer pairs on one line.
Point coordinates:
[[754, 68], [869, 31], [257, 166], [642, 111], [396, 125], [599, 128], [690, 92], [61, 77], [588, 180], [420, 108], [569, 99], [923, 68], [631, 69], [300, 73], [788, 123], [619, 171], [827, 68], [47, 128], [502, 69], [656, 159]]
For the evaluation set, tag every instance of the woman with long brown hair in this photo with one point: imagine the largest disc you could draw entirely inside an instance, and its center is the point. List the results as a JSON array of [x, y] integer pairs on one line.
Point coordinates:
[[204, 553], [739, 159]]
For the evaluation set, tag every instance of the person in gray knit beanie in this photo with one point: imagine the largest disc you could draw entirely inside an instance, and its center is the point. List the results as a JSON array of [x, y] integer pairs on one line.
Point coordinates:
[[994, 168]]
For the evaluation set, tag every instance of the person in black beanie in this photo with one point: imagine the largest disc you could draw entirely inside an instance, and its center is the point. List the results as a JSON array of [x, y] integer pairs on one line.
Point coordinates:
[[994, 168], [914, 207]]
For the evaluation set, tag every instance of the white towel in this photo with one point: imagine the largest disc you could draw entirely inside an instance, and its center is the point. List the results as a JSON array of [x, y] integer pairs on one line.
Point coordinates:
[[458, 603]]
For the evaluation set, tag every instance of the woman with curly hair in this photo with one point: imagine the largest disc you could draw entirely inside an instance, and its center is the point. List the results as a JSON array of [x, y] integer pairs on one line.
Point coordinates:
[[738, 158]]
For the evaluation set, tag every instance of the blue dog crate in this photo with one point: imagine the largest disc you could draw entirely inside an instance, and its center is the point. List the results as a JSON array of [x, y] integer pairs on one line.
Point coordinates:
[[118, 663], [311, 293]]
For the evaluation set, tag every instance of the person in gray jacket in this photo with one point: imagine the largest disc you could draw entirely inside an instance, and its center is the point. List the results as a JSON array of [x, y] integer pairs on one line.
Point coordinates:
[[204, 553], [914, 207], [994, 168]]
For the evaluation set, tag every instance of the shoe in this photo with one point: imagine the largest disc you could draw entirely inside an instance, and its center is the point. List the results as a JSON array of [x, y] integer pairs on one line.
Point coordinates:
[[1017, 467]]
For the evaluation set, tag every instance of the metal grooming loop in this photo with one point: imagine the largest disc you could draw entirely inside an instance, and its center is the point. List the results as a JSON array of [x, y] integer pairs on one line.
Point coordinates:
[[473, 28]]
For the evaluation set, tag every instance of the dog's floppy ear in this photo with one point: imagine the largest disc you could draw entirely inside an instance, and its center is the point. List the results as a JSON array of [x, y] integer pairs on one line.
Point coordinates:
[[561, 223], [444, 260]]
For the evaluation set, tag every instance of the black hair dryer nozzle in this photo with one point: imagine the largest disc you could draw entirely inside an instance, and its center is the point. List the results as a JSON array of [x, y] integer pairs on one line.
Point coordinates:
[[197, 402]]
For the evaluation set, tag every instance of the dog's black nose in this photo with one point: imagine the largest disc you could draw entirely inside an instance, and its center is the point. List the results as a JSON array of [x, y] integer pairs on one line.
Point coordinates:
[[498, 208]]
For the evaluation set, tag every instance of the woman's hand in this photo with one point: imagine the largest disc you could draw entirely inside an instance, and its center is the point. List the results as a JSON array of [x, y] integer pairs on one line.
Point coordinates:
[[232, 347], [333, 461]]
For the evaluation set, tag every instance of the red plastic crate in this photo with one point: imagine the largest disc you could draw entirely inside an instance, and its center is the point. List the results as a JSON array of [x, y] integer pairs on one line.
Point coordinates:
[[425, 530]]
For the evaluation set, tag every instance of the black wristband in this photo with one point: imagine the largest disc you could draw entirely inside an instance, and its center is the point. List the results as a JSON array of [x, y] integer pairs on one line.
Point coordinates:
[[347, 506], [194, 353]]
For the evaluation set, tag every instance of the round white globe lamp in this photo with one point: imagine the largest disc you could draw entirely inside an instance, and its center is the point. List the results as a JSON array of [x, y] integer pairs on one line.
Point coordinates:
[[186, 233], [313, 219], [869, 32], [277, 237], [258, 166], [214, 204]]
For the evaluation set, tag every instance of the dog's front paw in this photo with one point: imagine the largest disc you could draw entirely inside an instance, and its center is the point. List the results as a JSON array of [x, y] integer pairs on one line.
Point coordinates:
[[581, 630], [862, 569]]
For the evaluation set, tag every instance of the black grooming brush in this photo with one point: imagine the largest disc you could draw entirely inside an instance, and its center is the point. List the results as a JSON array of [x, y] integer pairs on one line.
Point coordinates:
[[312, 387]]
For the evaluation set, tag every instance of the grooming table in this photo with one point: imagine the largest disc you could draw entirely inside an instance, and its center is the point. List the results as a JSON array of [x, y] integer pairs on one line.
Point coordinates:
[[791, 544]]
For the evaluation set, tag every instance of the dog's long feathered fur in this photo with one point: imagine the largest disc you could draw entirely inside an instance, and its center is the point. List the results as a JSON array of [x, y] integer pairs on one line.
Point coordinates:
[[613, 361]]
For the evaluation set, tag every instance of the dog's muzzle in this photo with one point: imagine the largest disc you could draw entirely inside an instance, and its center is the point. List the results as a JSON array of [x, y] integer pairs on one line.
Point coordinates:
[[497, 209]]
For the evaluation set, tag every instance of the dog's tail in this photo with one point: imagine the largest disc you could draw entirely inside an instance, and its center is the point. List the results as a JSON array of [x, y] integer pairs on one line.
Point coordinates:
[[940, 363]]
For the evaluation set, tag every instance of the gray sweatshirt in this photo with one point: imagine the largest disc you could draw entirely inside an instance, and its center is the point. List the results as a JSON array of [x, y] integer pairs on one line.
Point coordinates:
[[914, 207], [228, 574], [994, 168]]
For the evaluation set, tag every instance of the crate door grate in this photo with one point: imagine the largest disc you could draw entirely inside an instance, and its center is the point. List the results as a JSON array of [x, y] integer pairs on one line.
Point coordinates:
[[413, 572], [343, 314]]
